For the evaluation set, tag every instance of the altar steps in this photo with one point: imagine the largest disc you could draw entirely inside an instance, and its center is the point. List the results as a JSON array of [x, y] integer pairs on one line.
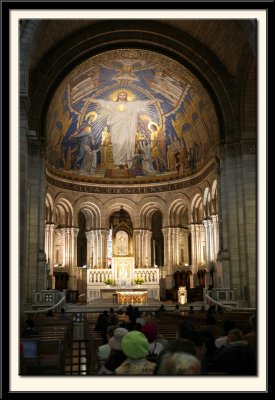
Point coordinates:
[[151, 305]]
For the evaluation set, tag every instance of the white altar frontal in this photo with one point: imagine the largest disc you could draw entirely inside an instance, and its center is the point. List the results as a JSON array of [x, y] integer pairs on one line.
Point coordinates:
[[123, 275], [123, 268]]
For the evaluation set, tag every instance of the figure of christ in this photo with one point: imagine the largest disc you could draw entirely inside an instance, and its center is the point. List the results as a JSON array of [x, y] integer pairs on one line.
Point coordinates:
[[123, 270], [122, 121]]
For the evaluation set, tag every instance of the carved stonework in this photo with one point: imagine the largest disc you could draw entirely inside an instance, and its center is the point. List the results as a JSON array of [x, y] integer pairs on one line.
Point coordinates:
[[93, 188]]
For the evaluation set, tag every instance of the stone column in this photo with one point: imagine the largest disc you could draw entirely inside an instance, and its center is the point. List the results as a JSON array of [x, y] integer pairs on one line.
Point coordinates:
[[47, 240], [215, 221], [93, 248], [137, 247], [193, 253], [66, 248], [73, 261], [202, 245], [104, 246], [147, 248], [89, 236], [167, 252], [185, 235], [98, 248], [176, 246], [49, 249], [207, 246], [168, 256], [211, 240], [237, 218], [34, 269]]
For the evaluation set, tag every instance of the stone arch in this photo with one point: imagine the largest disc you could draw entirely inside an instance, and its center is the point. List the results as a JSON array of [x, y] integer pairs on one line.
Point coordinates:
[[49, 208], [206, 203], [197, 208], [214, 202], [147, 208], [28, 31], [63, 212], [178, 213], [114, 205], [92, 214]]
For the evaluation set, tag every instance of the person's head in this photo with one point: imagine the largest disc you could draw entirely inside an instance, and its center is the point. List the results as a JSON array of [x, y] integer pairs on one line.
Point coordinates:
[[234, 335], [150, 331], [122, 96], [179, 364], [140, 322], [116, 339], [135, 345], [30, 323], [91, 117], [110, 331]]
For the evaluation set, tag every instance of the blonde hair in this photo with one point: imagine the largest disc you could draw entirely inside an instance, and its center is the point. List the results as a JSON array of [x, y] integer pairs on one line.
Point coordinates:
[[179, 364], [90, 114]]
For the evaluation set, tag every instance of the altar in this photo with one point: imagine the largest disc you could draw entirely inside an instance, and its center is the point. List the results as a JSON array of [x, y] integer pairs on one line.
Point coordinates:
[[132, 296], [123, 268], [120, 283]]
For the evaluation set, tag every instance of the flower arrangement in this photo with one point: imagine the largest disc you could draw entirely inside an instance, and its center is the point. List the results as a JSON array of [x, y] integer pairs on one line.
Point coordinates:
[[108, 281], [139, 281]]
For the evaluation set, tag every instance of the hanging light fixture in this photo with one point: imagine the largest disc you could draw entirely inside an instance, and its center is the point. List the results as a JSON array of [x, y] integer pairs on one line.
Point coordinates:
[[122, 215]]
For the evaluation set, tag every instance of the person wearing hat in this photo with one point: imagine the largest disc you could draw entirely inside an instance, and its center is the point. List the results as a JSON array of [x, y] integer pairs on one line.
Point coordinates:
[[135, 346], [116, 356], [150, 331]]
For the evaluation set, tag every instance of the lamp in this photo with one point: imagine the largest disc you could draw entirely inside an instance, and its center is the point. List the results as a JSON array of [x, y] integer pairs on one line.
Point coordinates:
[[122, 215]]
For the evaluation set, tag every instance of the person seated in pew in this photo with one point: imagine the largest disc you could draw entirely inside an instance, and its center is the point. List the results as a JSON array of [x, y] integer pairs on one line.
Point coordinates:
[[29, 329]]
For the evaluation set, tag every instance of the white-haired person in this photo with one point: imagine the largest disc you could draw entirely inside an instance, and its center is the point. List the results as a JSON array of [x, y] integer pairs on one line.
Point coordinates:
[[116, 356], [179, 363]]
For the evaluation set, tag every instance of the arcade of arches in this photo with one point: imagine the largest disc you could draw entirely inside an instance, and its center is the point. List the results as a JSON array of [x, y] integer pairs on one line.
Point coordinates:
[[139, 155]]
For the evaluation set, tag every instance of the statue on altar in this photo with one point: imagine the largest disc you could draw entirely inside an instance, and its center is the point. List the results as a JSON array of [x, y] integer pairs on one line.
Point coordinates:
[[123, 270]]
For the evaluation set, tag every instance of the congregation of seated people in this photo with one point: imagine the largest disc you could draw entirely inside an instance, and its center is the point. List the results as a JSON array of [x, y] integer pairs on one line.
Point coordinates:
[[135, 347]]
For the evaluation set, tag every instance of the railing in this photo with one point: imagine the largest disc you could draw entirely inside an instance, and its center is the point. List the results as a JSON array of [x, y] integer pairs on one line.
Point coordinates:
[[225, 306], [98, 276], [57, 306], [150, 275]]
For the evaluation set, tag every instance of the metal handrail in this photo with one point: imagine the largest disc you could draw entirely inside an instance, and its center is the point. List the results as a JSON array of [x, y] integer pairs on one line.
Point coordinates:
[[61, 301], [227, 306]]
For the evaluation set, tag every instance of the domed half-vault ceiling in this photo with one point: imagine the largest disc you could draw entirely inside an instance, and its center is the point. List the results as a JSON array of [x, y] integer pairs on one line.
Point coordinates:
[[129, 114]]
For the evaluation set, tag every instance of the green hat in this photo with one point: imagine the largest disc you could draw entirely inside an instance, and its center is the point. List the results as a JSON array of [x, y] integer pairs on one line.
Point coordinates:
[[135, 345]]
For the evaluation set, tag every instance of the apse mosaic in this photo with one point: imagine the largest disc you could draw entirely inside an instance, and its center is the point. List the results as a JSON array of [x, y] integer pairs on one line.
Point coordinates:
[[130, 114]]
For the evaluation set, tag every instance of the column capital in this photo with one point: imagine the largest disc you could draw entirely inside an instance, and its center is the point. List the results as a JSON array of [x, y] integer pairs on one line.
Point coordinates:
[[215, 218], [74, 231]]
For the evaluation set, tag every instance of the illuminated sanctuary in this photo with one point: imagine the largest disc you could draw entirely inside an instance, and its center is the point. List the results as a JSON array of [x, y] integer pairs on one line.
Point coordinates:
[[138, 158]]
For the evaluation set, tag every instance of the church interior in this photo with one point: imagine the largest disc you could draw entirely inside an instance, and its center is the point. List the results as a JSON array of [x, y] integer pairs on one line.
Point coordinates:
[[138, 165]]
